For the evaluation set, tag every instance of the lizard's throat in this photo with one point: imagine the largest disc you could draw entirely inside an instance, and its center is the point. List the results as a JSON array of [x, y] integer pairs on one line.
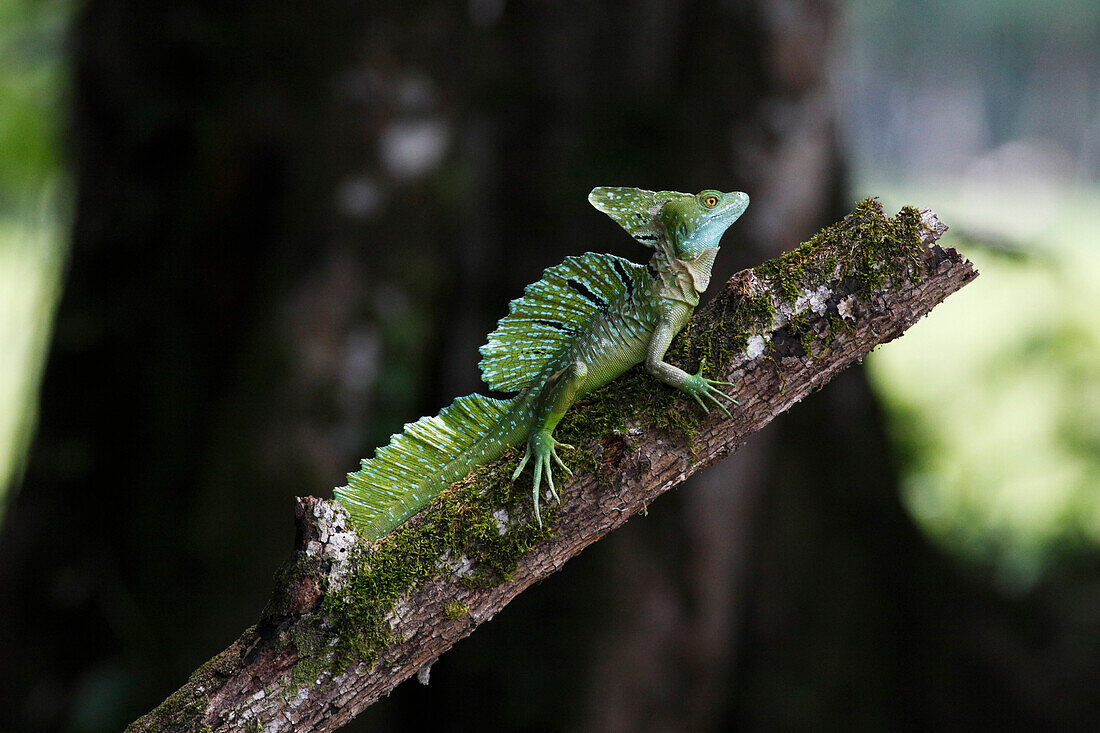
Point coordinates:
[[683, 279], [700, 267]]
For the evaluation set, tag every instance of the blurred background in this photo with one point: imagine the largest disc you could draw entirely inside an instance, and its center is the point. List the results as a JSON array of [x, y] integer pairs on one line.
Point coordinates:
[[241, 245]]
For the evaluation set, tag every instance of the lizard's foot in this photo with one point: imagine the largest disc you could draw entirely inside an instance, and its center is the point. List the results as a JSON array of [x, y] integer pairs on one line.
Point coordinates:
[[542, 445], [699, 387]]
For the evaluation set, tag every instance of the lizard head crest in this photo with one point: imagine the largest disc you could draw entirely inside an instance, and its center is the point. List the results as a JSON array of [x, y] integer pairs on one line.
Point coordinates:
[[634, 209]]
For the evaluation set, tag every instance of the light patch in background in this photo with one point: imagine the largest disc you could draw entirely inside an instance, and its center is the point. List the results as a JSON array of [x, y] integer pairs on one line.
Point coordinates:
[[994, 398], [30, 263], [34, 206], [987, 111], [409, 149]]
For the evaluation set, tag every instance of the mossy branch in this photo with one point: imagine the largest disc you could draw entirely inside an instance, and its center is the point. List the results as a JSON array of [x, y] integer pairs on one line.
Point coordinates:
[[348, 621]]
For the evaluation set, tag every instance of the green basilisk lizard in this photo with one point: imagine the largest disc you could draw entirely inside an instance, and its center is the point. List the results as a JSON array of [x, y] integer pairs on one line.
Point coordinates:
[[583, 324]]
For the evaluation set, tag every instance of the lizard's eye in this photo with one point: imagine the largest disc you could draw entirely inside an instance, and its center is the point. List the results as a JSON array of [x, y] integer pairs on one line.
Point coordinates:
[[710, 201]]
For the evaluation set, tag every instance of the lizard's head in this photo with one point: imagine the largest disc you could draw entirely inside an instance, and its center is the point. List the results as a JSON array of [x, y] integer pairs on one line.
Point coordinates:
[[684, 229], [684, 223], [694, 224]]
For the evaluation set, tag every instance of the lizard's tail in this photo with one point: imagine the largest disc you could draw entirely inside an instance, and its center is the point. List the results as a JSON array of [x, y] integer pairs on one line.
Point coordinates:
[[425, 458]]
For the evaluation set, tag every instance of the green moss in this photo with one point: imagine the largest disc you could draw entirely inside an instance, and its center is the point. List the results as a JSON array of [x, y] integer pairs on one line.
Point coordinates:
[[455, 609], [721, 331], [866, 251], [866, 245], [634, 395], [458, 526], [311, 643]]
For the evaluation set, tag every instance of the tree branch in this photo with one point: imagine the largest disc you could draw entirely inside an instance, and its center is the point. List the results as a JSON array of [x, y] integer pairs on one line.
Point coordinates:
[[348, 621]]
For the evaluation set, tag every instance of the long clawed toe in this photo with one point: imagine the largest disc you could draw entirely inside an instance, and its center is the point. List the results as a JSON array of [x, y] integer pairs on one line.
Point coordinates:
[[710, 391], [535, 488], [712, 395], [542, 464], [557, 459]]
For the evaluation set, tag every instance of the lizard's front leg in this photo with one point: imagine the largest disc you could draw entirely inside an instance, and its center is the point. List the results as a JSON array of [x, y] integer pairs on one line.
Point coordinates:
[[696, 384], [556, 396]]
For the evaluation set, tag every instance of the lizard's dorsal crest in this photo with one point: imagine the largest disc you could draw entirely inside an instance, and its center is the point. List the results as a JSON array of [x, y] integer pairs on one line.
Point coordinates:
[[634, 209], [551, 313]]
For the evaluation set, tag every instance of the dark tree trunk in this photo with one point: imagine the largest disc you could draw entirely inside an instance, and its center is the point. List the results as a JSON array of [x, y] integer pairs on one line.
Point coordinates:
[[175, 409]]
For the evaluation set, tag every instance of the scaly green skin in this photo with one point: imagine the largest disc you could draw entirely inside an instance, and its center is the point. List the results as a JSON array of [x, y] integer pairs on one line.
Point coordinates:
[[585, 323]]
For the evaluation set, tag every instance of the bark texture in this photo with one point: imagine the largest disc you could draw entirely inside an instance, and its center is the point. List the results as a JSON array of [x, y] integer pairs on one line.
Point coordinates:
[[811, 336]]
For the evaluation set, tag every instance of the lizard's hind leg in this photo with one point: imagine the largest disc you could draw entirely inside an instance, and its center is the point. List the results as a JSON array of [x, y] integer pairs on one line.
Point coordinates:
[[559, 392]]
